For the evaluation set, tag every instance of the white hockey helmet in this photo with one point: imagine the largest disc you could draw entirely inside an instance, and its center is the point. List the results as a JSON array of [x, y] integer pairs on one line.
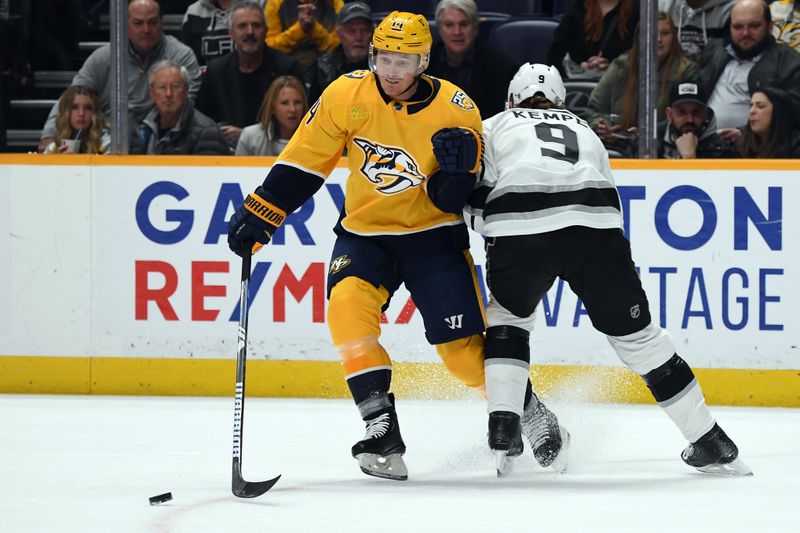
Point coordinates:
[[533, 79]]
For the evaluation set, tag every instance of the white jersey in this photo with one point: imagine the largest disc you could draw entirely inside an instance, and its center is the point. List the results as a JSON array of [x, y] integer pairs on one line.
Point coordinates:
[[543, 170]]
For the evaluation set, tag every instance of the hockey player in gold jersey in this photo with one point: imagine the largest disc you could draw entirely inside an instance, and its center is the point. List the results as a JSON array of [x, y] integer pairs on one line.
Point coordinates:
[[414, 148]]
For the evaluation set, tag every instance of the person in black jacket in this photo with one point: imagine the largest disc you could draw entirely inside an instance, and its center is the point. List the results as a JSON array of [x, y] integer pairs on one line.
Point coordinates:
[[174, 126], [592, 33], [234, 85], [354, 29], [731, 72], [461, 58], [690, 130]]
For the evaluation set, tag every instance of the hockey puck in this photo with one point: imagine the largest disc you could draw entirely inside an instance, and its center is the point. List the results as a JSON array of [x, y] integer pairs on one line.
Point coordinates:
[[161, 498]]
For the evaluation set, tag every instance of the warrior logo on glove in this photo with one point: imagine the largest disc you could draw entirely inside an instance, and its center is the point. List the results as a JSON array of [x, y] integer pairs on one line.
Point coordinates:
[[253, 224]]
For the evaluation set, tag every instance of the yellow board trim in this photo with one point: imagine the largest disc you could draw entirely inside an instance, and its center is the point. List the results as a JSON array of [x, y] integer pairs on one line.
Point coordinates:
[[325, 379], [266, 161]]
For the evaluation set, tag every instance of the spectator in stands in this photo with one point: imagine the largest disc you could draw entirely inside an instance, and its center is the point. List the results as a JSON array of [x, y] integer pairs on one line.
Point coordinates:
[[354, 29], [80, 126], [174, 126], [284, 106], [234, 84], [617, 92], [148, 45], [731, 73], [786, 22], [303, 29], [467, 61], [205, 29], [690, 130], [700, 22], [591, 34], [772, 131]]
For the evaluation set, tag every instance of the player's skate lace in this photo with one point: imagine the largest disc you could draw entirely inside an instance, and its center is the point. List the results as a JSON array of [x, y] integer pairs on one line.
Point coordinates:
[[537, 430], [377, 427], [545, 435], [380, 452]]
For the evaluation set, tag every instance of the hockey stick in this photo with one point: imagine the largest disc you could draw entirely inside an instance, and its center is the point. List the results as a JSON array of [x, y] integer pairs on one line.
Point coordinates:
[[240, 487]]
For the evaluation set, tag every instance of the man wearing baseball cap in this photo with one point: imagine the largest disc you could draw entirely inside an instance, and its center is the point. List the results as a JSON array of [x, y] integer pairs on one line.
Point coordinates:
[[354, 27], [690, 130]]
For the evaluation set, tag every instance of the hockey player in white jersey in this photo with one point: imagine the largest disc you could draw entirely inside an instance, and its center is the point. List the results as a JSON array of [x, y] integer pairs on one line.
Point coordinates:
[[548, 207]]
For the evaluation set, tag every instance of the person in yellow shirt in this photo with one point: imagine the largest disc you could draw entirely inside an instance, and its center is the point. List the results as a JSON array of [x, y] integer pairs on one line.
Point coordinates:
[[303, 29], [414, 150]]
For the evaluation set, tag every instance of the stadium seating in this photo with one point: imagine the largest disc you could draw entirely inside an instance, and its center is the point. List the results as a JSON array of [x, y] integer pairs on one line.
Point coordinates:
[[512, 8], [381, 8], [524, 40], [560, 6]]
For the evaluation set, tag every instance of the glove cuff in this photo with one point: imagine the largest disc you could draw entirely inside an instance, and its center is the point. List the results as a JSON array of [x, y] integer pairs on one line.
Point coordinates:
[[264, 210], [480, 148]]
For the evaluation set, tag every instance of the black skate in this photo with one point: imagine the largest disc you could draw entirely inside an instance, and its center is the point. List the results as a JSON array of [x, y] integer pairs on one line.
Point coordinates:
[[548, 439], [380, 452], [505, 440], [715, 453]]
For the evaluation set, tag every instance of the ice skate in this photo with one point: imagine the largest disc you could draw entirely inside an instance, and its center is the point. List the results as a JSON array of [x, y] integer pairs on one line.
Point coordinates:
[[380, 452], [548, 439], [715, 453], [505, 440]]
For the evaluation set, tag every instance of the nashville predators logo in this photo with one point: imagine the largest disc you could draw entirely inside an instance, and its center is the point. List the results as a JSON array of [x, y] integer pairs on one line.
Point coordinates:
[[338, 264], [463, 101], [393, 169]]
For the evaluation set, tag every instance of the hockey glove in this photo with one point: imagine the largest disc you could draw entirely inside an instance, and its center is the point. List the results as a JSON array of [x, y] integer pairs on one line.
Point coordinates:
[[253, 224], [458, 150]]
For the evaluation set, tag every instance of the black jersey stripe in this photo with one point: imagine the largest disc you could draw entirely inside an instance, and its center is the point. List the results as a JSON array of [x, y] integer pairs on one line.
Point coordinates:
[[526, 202]]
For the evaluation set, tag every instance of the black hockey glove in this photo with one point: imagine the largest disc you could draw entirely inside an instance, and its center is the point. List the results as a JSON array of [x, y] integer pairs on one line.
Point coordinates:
[[458, 150], [253, 224]]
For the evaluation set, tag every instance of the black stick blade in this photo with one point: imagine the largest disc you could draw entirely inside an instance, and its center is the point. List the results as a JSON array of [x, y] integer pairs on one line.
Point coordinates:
[[252, 489]]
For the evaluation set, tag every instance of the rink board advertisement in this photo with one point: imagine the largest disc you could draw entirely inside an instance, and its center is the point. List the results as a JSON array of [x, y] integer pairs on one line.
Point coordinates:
[[131, 262]]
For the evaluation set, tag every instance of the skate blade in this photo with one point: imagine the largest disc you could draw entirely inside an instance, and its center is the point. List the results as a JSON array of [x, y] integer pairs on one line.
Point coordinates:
[[737, 467], [561, 462], [504, 462], [388, 467]]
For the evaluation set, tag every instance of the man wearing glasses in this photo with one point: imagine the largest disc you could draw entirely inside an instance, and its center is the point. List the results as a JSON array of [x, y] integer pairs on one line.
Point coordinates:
[[174, 126]]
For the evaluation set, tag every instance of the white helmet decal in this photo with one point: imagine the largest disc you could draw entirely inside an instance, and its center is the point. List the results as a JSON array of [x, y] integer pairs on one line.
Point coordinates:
[[533, 79]]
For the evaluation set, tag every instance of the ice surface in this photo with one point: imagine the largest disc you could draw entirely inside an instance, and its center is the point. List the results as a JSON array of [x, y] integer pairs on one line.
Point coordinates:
[[89, 464]]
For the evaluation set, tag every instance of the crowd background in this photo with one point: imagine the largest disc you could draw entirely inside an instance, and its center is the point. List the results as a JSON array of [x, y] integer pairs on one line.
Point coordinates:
[[726, 68]]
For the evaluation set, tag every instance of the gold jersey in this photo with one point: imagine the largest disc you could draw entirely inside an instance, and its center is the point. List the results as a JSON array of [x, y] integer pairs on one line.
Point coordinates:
[[389, 150]]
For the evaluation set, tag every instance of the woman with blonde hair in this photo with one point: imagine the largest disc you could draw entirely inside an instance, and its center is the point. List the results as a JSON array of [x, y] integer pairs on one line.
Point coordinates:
[[613, 110], [80, 125], [280, 113]]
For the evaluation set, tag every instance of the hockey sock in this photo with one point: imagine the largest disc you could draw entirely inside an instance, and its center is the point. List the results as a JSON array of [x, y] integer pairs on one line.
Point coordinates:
[[374, 405], [507, 364], [676, 390], [369, 385]]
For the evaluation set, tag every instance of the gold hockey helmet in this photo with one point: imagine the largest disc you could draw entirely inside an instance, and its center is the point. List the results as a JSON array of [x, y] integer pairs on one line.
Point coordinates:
[[405, 33]]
